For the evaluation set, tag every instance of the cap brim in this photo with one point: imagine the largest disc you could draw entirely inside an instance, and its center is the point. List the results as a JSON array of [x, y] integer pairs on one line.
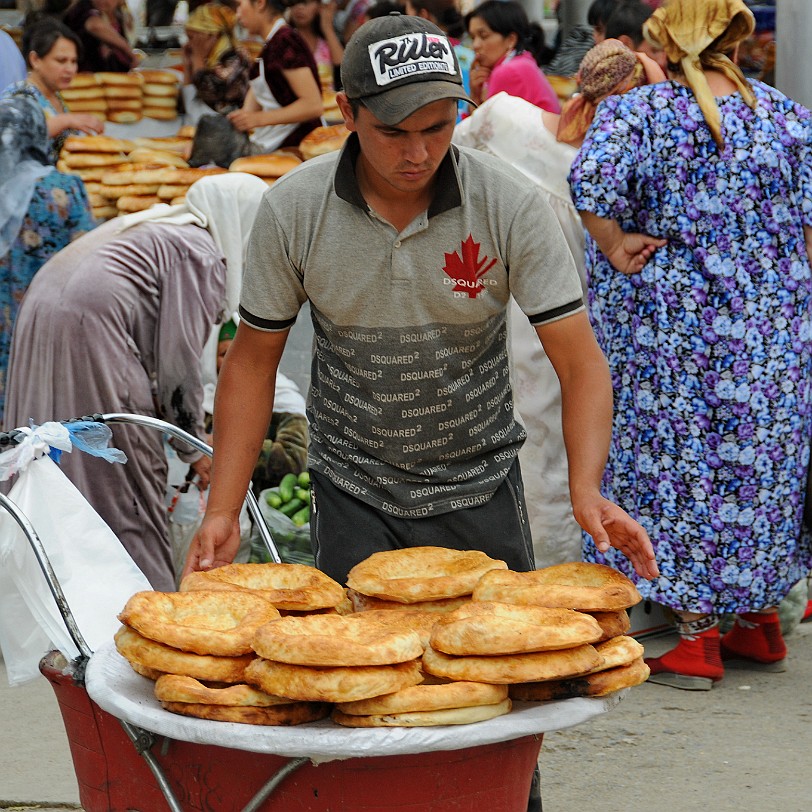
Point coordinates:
[[399, 103]]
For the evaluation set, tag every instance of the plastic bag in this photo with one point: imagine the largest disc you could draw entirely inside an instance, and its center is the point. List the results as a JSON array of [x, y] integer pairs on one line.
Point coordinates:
[[93, 569], [292, 541]]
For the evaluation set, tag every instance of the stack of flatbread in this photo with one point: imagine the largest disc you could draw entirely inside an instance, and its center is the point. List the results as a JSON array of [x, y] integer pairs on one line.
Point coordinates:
[[123, 93], [91, 157], [435, 579], [593, 591], [197, 646], [323, 140], [270, 167], [85, 94], [160, 94], [334, 658]]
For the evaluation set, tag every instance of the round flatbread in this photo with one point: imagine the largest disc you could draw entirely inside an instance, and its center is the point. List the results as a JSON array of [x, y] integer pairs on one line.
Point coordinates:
[[450, 716], [113, 192], [131, 203], [221, 623], [323, 140], [147, 653], [296, 587], [617, 651], [160, 77], [88, 160], [486, 627], [574, 585], [176, 688], [157, 156], [339, 684], [272, 165], [505, 669], [295, 713], [87, 105], [404, 617], [168, 191], [129, 79], [160, 113], [72, 94], [428, 698], [158, 90], [365, 603], [600, 683], [123, 92], [83, 80], [124, 116], [170, 143], [104, 212], [332, 640], [612, 623], [117, 105], [421, 573], [97, 144]]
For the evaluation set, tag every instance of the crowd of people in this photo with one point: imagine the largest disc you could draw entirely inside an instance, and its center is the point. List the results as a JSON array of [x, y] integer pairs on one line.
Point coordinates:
[[584, 321]]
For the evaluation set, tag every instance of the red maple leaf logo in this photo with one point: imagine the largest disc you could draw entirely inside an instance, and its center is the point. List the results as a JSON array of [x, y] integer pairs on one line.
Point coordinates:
[[466, 268]]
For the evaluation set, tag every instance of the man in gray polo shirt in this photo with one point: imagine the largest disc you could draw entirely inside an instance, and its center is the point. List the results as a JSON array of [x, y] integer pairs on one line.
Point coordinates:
[[408, 250]]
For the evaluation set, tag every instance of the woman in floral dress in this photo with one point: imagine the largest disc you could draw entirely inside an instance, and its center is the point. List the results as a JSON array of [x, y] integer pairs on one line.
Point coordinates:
[[41, 211], [697, 193]]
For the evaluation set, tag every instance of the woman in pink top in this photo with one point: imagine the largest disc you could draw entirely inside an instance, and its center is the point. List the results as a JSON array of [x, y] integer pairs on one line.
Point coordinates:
[[508, 50]]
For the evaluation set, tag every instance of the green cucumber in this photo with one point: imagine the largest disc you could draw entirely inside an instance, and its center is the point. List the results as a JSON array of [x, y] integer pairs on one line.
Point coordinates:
[[291, 507], [286, 487], [304, 479], [273, 499], [303, 494], [301, 516]]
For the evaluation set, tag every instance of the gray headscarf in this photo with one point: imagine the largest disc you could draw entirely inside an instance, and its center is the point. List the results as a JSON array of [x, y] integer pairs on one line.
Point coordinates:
[[23, 161]]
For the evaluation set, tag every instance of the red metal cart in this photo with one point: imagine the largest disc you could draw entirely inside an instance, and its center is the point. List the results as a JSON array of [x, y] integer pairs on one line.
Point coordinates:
[[130, 754]]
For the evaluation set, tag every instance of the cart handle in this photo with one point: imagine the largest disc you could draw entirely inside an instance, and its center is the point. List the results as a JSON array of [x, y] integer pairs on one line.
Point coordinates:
[[199, 445]]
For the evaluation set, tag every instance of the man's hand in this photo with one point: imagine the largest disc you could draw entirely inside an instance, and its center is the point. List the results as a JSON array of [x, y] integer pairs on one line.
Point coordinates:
[[214, 545], [610, 526]]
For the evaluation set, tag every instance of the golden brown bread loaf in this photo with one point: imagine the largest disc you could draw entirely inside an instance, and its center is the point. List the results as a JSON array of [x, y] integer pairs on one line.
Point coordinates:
[[323, 140], [272, 165], [97, 143]]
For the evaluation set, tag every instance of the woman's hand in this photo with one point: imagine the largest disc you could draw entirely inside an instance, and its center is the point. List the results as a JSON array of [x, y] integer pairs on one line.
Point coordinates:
[[631, 253], [327, 13], [245, 120], [628, 252], [479, 77], [87, 123]]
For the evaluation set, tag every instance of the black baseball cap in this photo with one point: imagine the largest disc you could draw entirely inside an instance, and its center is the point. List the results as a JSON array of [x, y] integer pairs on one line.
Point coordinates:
[[397, 64]]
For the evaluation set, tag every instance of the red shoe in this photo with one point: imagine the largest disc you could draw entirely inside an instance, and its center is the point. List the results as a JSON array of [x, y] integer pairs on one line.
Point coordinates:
[[755, 642], [693, 664], [807, 612]]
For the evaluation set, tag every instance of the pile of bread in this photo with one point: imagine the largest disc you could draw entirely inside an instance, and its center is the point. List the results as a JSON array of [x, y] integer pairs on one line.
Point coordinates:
[[422, 636], [124, 98], [123, 175]]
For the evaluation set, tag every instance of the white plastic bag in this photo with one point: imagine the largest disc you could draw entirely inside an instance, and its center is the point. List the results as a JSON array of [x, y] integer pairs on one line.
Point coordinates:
[[93, 569]]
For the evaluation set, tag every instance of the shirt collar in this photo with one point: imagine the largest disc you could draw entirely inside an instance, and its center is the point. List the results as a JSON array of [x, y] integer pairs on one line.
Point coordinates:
[[447, 190]]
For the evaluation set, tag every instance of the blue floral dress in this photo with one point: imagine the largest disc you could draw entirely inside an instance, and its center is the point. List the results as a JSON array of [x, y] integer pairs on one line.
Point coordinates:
[[59, 212], [710, 346]]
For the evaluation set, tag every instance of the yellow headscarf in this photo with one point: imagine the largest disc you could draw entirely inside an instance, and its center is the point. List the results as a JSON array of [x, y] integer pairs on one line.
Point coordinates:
[[213, 18], [685, 29]]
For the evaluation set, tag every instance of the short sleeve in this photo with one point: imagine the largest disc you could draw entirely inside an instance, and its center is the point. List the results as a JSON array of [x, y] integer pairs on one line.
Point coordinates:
[[602, 175], [272, 287]]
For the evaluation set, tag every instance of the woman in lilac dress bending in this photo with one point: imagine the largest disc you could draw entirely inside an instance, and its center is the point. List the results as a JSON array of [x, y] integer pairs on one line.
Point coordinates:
[[697, 194]]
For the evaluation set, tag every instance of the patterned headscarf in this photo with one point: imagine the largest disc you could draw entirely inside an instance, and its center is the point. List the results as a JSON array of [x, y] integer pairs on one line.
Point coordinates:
[[607, 69], [685, 30], [212, 18], [23, 161]]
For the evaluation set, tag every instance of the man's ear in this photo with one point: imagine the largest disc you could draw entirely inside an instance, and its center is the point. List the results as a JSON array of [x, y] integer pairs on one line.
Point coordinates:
[[627, 41], [346, 110]]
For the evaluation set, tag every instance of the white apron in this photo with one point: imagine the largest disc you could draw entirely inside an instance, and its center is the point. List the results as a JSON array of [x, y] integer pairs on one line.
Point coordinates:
[[270, 137]]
